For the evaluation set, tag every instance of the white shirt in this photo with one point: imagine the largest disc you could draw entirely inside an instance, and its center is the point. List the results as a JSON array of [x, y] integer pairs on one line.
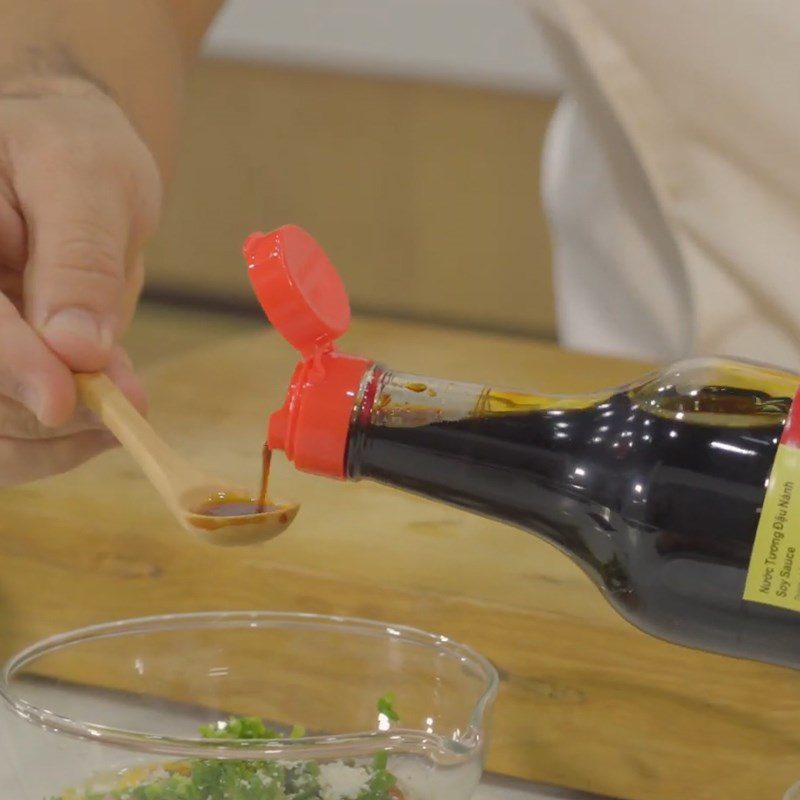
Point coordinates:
[[672, 176]]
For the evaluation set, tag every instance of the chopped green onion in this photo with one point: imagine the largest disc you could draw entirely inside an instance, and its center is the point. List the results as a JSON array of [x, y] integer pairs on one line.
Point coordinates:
[[386, 707]]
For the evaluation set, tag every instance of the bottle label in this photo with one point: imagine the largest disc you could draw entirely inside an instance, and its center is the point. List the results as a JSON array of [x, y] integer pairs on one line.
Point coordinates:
[[774, 573]]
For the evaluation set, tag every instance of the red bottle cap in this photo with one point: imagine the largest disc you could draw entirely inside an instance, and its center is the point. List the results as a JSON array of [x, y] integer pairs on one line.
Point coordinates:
[[305, 300]]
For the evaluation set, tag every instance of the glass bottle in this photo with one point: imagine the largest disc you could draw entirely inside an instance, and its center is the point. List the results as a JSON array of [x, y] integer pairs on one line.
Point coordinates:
[[675, 494]]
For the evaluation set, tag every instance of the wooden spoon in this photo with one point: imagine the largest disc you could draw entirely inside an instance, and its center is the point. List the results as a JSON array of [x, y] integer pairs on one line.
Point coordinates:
[[185, 489]]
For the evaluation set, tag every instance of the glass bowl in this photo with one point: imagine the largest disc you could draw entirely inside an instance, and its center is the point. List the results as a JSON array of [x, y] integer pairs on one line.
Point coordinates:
[[178, 707]]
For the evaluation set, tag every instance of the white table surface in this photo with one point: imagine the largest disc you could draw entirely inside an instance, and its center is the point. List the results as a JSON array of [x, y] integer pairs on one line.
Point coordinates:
[[492, 788]]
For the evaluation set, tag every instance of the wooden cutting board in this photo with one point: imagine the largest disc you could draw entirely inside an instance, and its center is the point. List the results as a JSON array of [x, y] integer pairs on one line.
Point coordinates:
[[586, 701]]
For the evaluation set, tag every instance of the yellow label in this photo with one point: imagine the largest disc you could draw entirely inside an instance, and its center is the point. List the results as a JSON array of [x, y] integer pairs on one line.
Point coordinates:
[[774, 573]]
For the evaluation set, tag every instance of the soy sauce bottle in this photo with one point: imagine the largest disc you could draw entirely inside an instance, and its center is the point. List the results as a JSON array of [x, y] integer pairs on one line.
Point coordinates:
[[677, 495]]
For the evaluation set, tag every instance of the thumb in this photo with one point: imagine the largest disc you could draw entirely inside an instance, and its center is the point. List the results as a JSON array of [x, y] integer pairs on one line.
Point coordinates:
[[74, 281]]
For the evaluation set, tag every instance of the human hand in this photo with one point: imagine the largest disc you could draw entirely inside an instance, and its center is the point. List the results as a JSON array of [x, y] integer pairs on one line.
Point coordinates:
[[79, 196]]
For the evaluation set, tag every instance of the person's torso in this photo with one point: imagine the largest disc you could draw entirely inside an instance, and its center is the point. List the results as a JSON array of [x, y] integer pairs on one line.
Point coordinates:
[[672, 176]]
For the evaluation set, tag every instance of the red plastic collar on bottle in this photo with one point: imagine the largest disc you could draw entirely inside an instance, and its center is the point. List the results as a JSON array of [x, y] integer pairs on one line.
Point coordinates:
[[305, 300], [791, 430]]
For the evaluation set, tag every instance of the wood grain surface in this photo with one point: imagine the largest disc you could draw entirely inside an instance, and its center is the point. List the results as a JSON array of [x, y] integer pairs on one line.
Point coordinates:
[[586, 701]]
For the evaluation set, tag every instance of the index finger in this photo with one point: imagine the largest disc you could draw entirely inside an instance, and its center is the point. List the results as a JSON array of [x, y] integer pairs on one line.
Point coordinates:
[[78, 228]]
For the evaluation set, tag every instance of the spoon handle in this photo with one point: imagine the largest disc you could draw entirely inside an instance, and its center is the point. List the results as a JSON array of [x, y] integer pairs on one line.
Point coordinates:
[[167, 471]]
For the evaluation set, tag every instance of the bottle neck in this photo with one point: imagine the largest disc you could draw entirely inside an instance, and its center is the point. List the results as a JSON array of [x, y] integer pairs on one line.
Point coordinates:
[[507, 455]]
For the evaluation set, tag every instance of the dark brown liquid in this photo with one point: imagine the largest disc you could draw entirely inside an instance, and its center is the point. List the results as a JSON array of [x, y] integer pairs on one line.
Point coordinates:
[[661, 512], [266, 463], [233, 505]]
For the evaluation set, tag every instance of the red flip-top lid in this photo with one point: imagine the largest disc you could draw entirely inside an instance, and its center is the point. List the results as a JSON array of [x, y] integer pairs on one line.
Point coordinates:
[[305, 300], [298, 288]]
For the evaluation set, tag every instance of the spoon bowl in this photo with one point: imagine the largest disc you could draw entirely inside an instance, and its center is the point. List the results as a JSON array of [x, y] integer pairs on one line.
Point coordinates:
[[189, 493], [234, 528]]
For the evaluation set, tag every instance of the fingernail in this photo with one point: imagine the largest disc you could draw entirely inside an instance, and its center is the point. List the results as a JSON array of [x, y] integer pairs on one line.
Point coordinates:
[[125, 359], [79, 323], [32, 400]]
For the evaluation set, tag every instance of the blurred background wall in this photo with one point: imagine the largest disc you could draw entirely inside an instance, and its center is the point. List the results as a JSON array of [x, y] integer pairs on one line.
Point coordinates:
[[404, 134]]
